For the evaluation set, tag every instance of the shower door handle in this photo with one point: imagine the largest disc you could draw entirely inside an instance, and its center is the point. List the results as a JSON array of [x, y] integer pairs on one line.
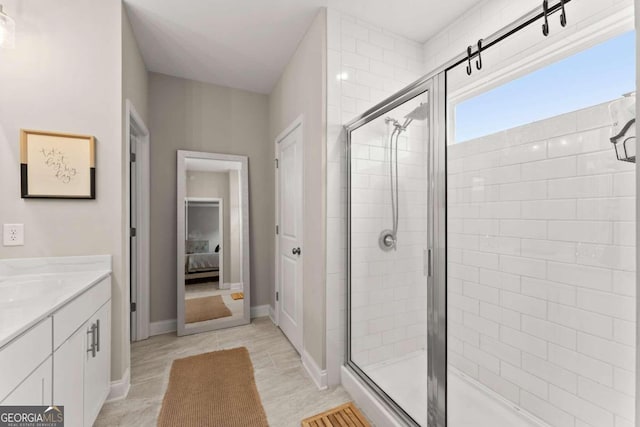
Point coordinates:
[[427, 262]]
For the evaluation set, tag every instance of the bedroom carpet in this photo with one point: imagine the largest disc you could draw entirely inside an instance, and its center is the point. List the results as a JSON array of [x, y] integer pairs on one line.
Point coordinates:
[[213, 389], [206, 308]]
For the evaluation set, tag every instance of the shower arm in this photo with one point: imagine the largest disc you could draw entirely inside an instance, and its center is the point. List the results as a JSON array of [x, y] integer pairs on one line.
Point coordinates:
[[407, 122]]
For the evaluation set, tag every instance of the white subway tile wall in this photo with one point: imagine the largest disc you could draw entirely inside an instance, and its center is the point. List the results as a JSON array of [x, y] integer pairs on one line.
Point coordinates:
[[578, 242], [536, 310], [388, 289], [366, 64]]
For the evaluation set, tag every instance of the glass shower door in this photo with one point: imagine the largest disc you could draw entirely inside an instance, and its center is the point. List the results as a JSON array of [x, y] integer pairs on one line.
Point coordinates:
[[389, 250]]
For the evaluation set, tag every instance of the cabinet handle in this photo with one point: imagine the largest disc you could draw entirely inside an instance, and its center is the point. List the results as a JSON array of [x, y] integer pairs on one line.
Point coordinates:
[[92, 332], [98, 334]]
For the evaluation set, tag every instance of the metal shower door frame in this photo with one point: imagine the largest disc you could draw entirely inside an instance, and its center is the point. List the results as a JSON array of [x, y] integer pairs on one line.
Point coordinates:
[[435, 86]]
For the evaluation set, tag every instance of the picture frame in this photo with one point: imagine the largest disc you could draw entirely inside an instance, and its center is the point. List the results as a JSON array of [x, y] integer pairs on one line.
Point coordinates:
[[57, 165]]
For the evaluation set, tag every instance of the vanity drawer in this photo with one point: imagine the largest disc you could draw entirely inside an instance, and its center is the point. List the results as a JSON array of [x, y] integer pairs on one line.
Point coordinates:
[[73, 315], [22, 355]]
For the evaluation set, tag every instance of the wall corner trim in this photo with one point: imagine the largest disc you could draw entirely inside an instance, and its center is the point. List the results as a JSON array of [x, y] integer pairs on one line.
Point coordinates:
[[120, 388], [272, 315], [260, 311], [319, 376], [162, 327]]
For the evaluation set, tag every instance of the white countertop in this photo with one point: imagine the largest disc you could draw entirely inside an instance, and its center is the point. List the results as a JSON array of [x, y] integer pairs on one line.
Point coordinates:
[[32, 289]]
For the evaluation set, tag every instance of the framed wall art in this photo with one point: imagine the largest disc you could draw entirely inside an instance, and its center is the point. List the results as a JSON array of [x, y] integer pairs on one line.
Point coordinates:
[[57, 165]]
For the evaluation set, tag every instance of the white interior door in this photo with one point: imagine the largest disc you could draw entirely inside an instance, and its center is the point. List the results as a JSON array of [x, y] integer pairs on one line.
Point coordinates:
[[290, 236]]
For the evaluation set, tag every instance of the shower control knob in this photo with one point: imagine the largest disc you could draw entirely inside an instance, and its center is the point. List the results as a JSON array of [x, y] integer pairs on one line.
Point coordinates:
[[296, 251]]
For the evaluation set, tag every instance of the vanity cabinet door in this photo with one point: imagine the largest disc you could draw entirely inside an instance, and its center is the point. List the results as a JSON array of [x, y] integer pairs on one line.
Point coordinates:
[[35, 389], [68, 374], [97, 368]]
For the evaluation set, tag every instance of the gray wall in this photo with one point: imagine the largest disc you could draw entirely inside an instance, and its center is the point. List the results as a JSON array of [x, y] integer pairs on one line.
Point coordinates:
[[189, 115], [215, 184], [64, 75], [203, 224], [134, 89], [135, 81], [301, 90]]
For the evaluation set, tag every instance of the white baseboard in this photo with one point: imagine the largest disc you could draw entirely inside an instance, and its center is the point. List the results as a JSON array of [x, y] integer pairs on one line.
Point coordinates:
[[318, 375], [236, 286], [260, 311], [272, 315], [120, 388], [162, 327], [167, 326], [225, 286]]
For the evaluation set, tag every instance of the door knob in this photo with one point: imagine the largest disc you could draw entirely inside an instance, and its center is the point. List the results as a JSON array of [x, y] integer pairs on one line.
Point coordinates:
[[296, 251]]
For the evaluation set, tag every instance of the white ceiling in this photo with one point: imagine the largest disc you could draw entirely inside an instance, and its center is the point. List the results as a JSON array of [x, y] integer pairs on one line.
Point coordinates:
[[246, 44]]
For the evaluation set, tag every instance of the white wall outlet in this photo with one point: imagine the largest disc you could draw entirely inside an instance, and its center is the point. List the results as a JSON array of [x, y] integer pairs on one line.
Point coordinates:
[[13, 235]]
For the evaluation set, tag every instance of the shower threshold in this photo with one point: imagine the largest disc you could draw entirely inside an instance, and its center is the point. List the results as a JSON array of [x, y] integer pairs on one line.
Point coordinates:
[[470, 404]]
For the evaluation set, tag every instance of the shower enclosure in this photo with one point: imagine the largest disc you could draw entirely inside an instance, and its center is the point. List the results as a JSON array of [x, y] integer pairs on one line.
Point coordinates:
[[491, 235], [394, 253]]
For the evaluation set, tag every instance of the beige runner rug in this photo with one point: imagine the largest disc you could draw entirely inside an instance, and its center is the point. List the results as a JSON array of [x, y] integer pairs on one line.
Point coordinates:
[[205, 308], [213, 390]]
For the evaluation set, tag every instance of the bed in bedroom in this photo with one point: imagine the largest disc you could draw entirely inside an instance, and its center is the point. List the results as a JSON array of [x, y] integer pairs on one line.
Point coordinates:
[[200, 262]]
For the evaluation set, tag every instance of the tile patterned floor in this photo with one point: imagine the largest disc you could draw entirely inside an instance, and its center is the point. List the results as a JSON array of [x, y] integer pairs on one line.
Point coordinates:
[[288, 394]]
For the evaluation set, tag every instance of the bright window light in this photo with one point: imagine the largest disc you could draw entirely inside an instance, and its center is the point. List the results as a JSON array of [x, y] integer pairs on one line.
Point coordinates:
[[608, 70]]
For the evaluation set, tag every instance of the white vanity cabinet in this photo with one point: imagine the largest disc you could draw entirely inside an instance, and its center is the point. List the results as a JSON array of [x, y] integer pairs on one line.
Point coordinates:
[[25, 367], [35, 389], [61, 355], [68, 368], [97, 366], [81, 358]]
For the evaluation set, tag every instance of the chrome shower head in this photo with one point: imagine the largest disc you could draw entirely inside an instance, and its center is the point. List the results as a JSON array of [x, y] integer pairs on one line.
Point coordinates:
[[421, 112]]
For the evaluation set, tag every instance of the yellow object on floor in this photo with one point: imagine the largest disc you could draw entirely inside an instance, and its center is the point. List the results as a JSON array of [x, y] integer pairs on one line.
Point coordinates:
[[346, 415], [237, 295]]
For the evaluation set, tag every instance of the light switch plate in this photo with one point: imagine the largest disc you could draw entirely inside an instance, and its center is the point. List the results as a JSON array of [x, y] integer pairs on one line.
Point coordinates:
[[13, 234]]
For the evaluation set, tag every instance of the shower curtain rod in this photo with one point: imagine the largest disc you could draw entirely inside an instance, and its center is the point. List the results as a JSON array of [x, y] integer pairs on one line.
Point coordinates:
[[517, 25], [414, 88]]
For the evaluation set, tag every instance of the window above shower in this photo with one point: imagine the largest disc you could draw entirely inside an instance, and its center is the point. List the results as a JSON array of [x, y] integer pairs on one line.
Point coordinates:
[[608, 69]]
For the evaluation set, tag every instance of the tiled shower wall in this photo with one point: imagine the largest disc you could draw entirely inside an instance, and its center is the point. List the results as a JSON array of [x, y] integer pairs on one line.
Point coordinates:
[[388, 289], [480, 21], [541, 288], [365, 64]]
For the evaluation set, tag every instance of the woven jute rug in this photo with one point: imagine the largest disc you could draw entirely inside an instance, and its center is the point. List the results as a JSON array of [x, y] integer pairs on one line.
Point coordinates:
[[205, 308], [213, 390], [346, 415]]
